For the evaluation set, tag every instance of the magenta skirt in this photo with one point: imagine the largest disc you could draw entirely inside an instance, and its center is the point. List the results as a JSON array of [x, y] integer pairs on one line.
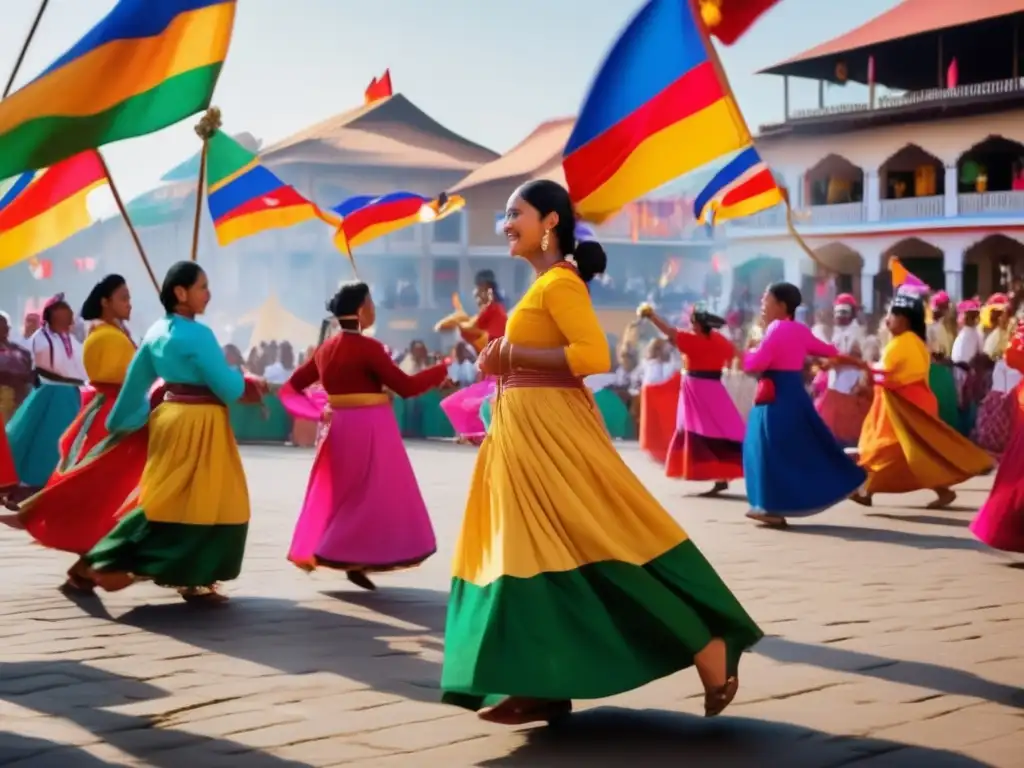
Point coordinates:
[[463, 408], [1000, 521], [363, 508]]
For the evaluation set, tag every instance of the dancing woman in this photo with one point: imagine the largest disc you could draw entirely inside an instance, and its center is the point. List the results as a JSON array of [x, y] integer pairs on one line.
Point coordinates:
[[189, 525], [81, 502], [570, 580], [708, 441], [1000, 521], [904, 445], [793, 465], [363, 510], [36, 428], [463, 407]]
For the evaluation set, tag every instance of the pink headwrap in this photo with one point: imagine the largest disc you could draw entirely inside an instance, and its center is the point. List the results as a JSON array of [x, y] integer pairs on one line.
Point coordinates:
[[968, 305], [846, 300], [940, 299], [999, 300]]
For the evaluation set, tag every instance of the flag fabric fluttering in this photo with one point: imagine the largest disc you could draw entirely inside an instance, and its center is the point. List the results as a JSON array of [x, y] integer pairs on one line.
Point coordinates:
[[743, 187], [43, 209], [658, 109], [366, 218], [379, 88], [145, 66], [903, 277], [246, 198], [729, 20]]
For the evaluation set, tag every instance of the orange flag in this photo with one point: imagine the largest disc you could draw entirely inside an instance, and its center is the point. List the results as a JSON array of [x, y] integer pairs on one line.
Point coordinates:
[[379, 89]]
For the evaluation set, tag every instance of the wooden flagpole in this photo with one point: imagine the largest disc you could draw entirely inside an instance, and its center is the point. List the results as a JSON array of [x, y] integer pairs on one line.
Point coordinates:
[[128, 222], [205, 128], [24, 48]]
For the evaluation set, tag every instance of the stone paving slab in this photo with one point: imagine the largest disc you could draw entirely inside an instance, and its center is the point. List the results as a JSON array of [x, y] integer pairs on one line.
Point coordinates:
[[894, 639]]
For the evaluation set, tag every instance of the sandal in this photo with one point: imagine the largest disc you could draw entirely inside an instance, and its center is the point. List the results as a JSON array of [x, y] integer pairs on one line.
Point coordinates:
[[202, 596], [861, 498], [360, 579], [768, 521], [78, 581], [517, 710], [720, 486], [716, 700], [946, 497]]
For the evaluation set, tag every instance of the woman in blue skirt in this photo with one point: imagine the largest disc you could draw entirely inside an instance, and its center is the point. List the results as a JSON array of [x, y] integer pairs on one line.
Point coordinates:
[[792, 463]]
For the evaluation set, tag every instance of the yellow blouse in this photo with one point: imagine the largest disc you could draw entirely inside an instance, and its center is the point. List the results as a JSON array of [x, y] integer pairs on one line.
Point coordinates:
[[557, 312], [906, 359], [106, 354]]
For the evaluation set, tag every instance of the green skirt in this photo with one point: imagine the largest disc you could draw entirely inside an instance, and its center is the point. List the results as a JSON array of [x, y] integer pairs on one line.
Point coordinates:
[[943, 385], [171, 554], [596, 631]]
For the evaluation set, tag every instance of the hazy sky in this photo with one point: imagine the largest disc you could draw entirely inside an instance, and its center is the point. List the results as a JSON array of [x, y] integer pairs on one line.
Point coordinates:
[[489, 71]]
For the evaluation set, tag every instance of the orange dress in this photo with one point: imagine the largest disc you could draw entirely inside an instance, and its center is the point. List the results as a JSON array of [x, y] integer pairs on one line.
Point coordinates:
[[904, 446]]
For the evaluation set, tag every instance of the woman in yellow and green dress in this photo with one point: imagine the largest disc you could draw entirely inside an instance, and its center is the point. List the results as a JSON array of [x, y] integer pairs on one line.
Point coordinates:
[[570, 580], [189, 525]]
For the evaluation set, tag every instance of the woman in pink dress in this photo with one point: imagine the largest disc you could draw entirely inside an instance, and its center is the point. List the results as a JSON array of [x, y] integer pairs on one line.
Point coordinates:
[[793, 465]]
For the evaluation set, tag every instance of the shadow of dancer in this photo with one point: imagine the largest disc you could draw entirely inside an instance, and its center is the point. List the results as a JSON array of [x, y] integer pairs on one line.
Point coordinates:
[[84, 700], [611, 737]]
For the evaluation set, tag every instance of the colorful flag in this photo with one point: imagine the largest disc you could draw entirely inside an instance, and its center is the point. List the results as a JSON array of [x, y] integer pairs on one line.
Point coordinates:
[[365, 218], [902, 277], [379, 89], [245, 198], [728, 20], [657, 109], [143, 67], [745, 186], [49, 209]]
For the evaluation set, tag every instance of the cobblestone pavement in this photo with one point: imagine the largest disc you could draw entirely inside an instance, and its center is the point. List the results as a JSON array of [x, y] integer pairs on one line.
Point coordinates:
[[893, 640]]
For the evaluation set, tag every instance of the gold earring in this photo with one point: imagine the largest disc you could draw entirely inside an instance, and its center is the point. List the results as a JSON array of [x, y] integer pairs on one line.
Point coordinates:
[[545, 240]]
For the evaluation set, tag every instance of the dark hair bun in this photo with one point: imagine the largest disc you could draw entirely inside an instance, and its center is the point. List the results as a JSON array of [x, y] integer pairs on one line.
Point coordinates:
[[92, 309], [591, 260], [348, 299]]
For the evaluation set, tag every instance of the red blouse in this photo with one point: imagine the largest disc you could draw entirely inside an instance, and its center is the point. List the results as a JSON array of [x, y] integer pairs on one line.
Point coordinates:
[[350, 363], [705, 353]]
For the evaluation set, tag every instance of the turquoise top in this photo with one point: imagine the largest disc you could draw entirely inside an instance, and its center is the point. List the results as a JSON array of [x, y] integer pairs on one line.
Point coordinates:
[[179, 351]]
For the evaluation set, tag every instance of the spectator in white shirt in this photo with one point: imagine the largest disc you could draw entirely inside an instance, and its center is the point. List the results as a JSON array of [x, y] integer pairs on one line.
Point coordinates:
[[281, 369], [658, 364], [462, 370], [969, 341]]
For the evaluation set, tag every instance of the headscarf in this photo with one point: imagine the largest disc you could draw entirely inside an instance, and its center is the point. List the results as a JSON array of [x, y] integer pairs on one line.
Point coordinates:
[[940, 300], [845, 304]]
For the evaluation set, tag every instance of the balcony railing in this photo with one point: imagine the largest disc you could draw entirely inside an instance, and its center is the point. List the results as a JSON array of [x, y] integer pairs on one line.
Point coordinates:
[[835, 215], [990, 203], [911, 208], [929, 97], [771, 219]]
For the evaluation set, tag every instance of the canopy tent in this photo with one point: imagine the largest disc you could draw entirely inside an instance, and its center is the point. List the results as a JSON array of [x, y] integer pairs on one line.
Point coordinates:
[[272, 322]]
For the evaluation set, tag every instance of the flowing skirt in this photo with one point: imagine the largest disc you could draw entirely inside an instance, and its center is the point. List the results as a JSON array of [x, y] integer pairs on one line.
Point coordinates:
[[570, 581], [708, 442], [844, 414], [363, 508], [996, 416], [1000, 521], [463, 408], [793, 465], [36, 429], [188, 525], [905, 446], [8, 473], [659, 404]]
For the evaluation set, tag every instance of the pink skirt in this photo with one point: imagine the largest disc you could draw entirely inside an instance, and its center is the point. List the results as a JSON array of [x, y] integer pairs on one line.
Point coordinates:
[[463, 408], [708, 441], [363, 509], [1000, 521]]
